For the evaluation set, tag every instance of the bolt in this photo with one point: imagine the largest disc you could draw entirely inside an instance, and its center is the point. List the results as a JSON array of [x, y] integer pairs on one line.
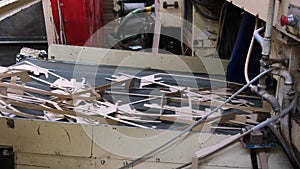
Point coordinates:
[[264, 64], [5, 152], [286, 62], [10, 123], [291, 93], [125, 163], [102, 162]]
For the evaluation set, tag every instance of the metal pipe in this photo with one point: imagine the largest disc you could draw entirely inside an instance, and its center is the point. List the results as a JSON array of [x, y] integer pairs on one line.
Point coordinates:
[[270, 98], [287, 94], [277, 117], [270, 16], [266, 50], [288, 84], [266, 43], [284, 74], [257, 36]]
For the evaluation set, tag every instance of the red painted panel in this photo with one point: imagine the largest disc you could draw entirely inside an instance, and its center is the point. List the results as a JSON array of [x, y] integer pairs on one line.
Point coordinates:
[[81, 18]]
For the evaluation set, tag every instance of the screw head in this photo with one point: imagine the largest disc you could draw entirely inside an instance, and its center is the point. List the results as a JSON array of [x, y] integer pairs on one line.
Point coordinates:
[[125, 163], [102, 162], [5, 152]]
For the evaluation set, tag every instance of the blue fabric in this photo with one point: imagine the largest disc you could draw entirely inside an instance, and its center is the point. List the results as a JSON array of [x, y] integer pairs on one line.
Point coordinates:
[[235, 69]]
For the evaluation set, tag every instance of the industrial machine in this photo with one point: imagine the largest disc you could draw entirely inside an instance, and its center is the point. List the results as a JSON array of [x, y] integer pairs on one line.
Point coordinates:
[[166, 84]]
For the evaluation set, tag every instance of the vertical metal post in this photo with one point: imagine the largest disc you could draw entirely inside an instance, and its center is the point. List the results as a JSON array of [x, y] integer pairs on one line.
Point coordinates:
[[157, 28]]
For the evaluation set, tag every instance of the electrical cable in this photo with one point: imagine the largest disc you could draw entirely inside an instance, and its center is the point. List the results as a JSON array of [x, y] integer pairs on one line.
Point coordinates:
[[147, 155]]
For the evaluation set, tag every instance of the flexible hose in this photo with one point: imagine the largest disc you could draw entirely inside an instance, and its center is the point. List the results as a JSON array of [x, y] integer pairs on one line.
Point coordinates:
[[284, 146], [277, 117], [147, 155], [130, 15], [249, 54]]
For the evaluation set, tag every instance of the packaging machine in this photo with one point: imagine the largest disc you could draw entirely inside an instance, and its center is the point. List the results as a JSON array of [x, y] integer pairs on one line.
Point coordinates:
[[160, 102]]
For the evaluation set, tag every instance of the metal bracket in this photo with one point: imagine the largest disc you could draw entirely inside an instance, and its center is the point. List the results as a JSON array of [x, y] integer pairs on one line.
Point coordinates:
[[166, 5]]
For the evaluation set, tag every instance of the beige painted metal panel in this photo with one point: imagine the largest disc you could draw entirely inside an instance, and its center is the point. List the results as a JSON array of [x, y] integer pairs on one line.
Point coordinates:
[[259, 7], [140, 141], [41, 144], [40, 161], [49, 21], [255, 7], [224, 160], [167, 62], [46, 137]]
